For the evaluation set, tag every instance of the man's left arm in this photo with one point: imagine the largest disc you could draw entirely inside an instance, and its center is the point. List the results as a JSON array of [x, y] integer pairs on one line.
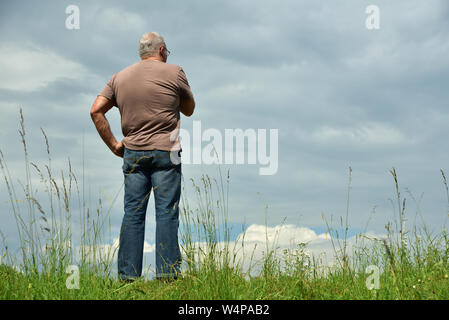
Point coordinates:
[[97, 113]]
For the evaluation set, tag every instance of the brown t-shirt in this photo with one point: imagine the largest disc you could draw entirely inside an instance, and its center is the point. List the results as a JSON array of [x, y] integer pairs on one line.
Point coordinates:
[[148, 94]]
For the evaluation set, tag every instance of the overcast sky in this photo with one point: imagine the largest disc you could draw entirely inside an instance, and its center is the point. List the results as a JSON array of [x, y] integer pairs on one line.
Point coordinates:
[[339, 94]]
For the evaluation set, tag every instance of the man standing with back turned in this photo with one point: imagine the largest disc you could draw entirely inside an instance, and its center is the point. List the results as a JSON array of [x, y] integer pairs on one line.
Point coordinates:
[[149, 95]]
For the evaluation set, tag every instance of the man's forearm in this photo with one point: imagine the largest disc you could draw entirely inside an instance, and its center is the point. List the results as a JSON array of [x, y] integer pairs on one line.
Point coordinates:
[[103, 128]]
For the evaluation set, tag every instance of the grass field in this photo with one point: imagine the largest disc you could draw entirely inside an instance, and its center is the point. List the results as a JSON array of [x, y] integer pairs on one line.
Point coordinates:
[[411, 264]]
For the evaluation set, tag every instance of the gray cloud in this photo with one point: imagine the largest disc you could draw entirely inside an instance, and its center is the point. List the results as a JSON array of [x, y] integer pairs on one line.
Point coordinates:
[[339, 94]]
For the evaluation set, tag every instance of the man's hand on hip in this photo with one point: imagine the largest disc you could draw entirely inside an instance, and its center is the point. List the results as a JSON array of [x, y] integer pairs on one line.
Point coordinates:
[[118, 149]]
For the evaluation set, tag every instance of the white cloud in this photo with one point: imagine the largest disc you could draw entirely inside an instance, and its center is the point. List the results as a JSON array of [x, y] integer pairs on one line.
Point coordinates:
[[368, 134], [282, 235], [108, 252], [250, 248], [27, 67]]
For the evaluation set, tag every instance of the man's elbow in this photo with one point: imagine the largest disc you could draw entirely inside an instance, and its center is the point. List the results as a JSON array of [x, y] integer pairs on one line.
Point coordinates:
[[188, 108], [95, 113], [100, 106], [190, 111]]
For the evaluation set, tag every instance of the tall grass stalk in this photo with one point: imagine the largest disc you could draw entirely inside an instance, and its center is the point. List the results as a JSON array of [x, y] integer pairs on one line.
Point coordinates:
[[413, 262], [44, 226]]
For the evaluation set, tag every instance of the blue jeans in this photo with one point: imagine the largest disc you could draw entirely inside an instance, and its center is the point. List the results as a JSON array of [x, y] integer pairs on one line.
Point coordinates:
[[143, 171]]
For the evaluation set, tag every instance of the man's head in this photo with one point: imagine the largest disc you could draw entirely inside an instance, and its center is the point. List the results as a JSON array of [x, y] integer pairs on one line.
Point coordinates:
[[152, 45]]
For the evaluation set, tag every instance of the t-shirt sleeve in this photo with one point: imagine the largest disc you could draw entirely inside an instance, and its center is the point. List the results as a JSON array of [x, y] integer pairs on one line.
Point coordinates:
[[183, 85], [108, 91]]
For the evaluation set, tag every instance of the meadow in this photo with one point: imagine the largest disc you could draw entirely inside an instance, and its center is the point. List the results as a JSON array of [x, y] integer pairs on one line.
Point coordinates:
[[409, 264]]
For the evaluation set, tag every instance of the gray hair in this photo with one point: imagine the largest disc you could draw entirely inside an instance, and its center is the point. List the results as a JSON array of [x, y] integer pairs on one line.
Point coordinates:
[[150, 43]]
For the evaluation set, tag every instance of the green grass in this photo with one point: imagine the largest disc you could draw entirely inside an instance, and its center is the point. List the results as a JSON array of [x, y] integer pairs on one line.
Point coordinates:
[[222, 284], [413, 263]]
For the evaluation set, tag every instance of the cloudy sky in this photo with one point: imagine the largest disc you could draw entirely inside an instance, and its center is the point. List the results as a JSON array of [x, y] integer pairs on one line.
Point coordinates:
[[339, 94]]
